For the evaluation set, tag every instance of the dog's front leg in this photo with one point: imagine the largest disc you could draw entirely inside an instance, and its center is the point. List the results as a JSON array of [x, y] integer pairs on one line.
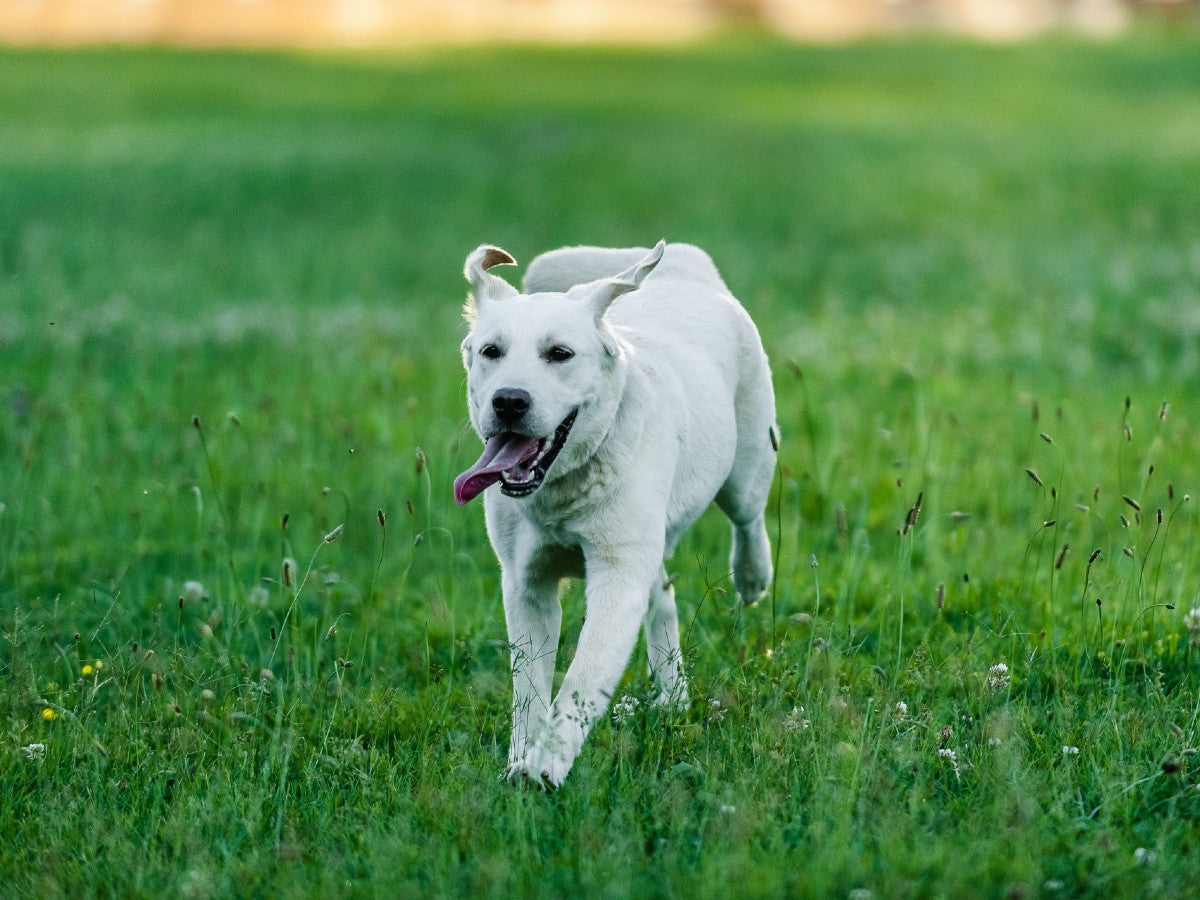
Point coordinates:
[[534, 618], [617, 595]]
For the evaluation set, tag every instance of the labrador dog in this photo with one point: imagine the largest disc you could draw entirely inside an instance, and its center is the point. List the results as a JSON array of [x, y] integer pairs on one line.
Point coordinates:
[[617, 395]]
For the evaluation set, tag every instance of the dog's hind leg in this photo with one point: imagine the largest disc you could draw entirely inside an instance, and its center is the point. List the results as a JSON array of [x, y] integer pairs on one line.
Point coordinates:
[[661, 626], [744, 495]]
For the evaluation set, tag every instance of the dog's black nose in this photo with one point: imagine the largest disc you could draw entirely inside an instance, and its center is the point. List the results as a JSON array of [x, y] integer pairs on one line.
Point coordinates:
[[510, 404]]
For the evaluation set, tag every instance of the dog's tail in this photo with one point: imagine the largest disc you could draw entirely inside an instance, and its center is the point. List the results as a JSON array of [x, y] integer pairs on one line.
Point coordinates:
[[560, 270]]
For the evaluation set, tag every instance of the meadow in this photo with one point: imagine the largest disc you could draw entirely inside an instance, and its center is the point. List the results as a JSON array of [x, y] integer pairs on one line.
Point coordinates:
[[249, 645]]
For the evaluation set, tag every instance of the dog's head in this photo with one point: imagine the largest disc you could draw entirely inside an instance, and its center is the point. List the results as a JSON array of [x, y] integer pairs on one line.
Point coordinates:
[[539, 367]]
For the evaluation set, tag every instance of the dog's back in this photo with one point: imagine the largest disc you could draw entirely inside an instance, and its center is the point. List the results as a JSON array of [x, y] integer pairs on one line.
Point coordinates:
[[562, 269]]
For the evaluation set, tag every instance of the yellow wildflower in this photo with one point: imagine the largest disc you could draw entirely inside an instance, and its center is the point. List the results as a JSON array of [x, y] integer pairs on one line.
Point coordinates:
[[49, 715], [87, 670]]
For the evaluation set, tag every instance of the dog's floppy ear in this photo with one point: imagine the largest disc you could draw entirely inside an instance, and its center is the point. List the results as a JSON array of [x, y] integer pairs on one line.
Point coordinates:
[[610, 289], [484, 285]]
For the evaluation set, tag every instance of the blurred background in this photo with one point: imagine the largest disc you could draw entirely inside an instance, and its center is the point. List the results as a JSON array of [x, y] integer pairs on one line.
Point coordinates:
[[358, 23]]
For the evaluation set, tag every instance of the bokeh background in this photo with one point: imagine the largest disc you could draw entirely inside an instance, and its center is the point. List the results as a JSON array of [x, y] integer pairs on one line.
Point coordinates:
[[324, 23]]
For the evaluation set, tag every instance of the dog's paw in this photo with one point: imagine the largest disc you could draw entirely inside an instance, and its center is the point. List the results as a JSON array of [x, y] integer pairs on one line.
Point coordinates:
[[530, 772], [751, 564]]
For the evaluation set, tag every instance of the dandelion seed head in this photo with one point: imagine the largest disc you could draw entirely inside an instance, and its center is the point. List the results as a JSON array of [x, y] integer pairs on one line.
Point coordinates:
[[193, 590]]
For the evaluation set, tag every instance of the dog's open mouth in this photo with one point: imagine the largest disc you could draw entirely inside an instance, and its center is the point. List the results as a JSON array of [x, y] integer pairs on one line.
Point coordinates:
[[519, 462]]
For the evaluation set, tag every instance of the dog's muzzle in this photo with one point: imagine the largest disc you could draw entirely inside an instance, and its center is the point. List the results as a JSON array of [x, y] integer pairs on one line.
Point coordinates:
[[519, 462]]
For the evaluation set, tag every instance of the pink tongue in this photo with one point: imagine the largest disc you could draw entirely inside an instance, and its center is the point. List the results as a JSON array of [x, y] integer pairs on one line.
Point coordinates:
[[501, 453]]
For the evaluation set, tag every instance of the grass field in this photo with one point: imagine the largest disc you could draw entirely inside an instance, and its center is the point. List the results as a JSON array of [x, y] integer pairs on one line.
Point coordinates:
[[977, 273]]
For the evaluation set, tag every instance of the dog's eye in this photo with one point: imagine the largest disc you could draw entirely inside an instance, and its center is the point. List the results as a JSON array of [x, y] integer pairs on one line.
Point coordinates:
[[490, 351], [559, 354]]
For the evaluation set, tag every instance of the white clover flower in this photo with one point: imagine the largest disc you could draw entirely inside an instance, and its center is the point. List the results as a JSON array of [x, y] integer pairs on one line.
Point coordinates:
[[1068, 750], [1191, 621], [193, 590], [1144, 857], [947, 755], [1053, 885], [34, 751], [795, 721], [901, 709], [624, 709], [993, 742], [728, 809], [717, 713], [998, 677]]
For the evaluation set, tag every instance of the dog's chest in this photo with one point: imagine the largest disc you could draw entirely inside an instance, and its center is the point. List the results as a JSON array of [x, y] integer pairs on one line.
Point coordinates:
[[561, 505]]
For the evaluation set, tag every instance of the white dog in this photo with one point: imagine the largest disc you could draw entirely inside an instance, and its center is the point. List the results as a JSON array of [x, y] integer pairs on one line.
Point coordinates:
[[618, 396]]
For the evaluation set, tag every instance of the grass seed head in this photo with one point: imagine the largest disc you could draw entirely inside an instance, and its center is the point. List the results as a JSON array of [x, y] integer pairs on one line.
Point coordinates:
[[1034, 475], [333, 535], [381, 518], [1129, 500], [1062, 556]]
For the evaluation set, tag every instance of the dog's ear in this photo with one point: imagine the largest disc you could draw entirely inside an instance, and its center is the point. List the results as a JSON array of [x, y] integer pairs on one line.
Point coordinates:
[[484, 285], [631, 279]]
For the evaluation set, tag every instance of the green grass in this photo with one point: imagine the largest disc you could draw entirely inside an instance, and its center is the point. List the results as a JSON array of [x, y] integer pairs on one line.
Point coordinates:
[[950, 249]]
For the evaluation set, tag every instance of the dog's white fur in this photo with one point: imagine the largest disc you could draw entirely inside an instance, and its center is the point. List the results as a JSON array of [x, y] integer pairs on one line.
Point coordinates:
[[675, 410]]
